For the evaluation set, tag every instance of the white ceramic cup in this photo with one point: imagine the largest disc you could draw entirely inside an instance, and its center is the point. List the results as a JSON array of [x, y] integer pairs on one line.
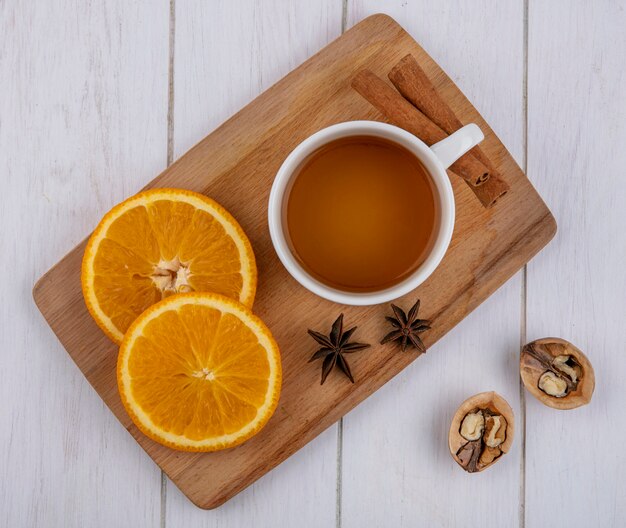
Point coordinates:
[[436, 159]]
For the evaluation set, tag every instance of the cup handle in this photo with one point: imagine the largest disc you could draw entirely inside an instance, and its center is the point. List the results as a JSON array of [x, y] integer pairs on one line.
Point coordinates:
[[450, 149]]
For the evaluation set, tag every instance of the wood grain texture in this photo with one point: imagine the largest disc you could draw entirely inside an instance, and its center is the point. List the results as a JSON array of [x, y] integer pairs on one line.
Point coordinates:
[[395, 444], [83, 102], [235, 165], [576, 290], [226, 53]]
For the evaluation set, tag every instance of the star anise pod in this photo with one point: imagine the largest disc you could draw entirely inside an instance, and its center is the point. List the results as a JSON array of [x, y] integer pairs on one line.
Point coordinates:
[[334, 347], [406, 328]]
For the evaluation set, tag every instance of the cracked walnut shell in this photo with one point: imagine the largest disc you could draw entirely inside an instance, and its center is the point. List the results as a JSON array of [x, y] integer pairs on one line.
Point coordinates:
[[557, 373], [481, 431]]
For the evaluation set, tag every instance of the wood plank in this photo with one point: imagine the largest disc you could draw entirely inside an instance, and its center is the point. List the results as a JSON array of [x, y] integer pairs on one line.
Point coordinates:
[[215, 75], [236, 165], [83, 105], [395, 445], [576, 156]]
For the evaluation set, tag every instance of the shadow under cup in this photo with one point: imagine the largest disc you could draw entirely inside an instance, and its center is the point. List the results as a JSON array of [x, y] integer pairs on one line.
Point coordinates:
[[361, 214]]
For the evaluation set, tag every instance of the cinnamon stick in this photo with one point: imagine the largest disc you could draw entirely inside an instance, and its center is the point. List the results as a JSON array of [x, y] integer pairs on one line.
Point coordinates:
[[415, 86], [403, 114], [489, 193]]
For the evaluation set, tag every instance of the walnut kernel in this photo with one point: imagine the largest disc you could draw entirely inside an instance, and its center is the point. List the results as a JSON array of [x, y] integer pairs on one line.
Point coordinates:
[[481, 431], [552, 385], [488, 456], [495, 430], [568, 366], [473, 426], [557, 373]]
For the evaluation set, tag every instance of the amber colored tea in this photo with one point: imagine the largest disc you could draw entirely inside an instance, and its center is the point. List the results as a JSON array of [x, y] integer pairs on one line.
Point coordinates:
[[361, 214]]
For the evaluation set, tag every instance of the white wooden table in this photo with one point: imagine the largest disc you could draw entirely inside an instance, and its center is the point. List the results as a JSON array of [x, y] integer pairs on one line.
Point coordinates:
[[97, 97]]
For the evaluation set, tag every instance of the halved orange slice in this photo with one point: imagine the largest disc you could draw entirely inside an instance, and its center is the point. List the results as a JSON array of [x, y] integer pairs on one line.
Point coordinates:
[[161, 242], [199, 372]]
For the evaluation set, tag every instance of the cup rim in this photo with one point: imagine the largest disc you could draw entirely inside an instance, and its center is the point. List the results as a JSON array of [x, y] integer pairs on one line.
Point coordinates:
[[436, 171]]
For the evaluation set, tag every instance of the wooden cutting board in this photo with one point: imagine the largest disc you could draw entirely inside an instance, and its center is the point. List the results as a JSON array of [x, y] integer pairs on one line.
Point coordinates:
[[236, 165]]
